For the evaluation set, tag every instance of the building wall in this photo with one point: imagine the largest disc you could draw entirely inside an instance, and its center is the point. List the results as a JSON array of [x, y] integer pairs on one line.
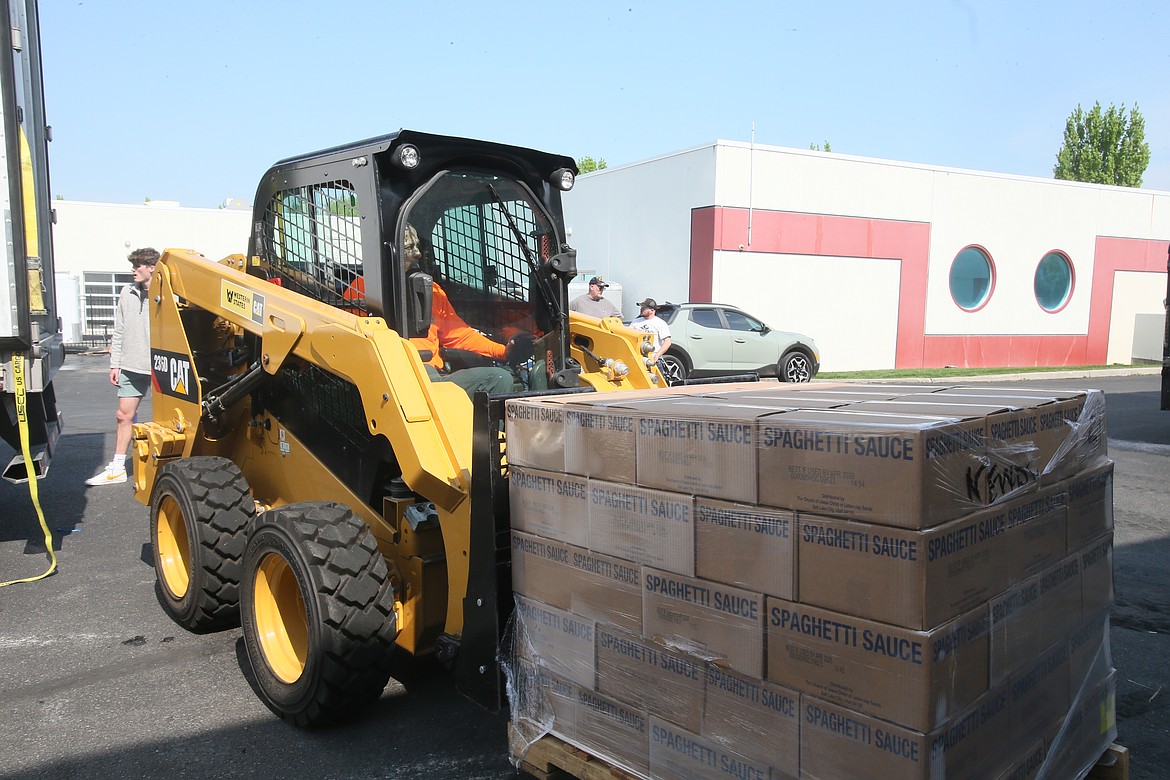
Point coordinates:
[[98, 236], [635, 226], [857, 253]]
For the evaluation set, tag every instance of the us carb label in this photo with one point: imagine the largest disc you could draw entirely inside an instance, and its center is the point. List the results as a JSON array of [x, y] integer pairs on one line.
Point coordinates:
[[171, 374], [240, 300]]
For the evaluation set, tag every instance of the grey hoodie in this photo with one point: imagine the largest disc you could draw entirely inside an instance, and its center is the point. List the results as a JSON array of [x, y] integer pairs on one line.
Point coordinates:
[[130, 346]]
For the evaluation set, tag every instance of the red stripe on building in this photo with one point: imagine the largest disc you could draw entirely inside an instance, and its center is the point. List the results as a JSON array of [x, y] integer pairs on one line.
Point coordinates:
[[726, 229], [1110, 256], [818, 234]]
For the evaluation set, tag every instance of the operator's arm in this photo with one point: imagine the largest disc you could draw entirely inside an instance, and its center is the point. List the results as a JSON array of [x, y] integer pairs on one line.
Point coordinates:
[[453, 332]]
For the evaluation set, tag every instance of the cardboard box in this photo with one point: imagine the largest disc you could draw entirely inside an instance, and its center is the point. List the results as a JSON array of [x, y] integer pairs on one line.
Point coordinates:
[[1087, 731], [1009, 423], [651, 527], [1070, 433], [535, 433], [837, 742], [1030, 762], [840, 463], [915, 579], [1090, 504], [783, 402], [1090, 655], [746, 545], [649, 674], [678, 753], [587, 583], [599, 439], [612, 730], [1097, 574], [753, 717], [1027, 617], [542, 701], [1039, 692], [917, 679], [702, 446], [564, 643], [549, 504], [1037, 533], [714, 621]]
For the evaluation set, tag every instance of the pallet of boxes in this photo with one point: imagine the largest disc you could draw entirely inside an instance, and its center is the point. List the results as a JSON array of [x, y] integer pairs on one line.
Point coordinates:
[[822, 581]]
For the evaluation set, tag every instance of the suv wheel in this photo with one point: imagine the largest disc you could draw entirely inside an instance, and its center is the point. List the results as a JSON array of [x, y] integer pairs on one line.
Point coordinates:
[[795, 367], [673, 369]]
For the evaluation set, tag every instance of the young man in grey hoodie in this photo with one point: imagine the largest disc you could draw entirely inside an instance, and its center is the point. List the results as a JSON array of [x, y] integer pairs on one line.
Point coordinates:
[[129, 360]]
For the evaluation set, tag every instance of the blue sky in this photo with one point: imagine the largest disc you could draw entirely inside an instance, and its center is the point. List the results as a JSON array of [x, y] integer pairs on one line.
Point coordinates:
[[193, 101]]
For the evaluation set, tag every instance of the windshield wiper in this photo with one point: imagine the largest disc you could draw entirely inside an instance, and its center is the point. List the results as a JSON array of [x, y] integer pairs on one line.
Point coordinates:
[[542, 280]]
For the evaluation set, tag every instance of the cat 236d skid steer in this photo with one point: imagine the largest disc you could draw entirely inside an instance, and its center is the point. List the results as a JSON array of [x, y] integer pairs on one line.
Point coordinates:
[[308, 475]]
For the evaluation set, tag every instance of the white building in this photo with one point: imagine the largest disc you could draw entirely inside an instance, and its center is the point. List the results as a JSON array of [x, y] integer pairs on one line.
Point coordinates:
[[886, 264], [91, 242]]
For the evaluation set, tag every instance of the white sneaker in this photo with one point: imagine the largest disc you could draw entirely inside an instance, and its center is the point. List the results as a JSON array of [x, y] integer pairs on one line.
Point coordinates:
[[110, 475]]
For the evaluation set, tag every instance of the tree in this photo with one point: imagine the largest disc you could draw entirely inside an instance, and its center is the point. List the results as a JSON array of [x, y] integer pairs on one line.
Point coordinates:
[[589, 165], [1104, 147], [819, 148]]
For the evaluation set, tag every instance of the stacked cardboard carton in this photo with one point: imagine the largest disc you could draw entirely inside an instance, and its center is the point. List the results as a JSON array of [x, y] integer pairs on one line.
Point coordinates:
[[819, 581]]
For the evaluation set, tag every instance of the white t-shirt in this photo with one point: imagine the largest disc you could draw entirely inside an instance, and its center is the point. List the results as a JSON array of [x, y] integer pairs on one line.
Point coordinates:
[[657, 327]]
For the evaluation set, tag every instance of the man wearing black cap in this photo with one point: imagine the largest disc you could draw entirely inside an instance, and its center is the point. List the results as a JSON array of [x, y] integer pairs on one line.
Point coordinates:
[[592, 303], [651, 323]]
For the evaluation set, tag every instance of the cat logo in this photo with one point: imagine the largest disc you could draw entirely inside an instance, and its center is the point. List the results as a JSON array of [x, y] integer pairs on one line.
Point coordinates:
[[241, 301], [171, 374]]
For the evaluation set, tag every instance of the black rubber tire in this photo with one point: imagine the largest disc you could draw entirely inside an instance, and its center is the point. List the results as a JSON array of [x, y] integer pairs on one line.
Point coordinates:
[[674, 368], [204, 545], [345, 600], [795, 367]]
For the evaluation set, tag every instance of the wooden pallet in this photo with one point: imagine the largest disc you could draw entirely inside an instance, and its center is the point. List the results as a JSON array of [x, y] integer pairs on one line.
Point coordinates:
[[550, 758], [1113, 765]]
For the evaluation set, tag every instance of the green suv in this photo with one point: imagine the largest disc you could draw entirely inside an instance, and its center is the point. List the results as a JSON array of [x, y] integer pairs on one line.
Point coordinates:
[[712, 339]]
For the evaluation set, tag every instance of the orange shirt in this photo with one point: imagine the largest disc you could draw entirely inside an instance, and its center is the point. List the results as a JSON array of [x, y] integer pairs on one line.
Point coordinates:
[[449, 330]]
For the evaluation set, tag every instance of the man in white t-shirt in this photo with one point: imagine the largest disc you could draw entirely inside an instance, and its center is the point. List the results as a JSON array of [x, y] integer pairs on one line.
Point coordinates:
[[649, 322], [593, 302]]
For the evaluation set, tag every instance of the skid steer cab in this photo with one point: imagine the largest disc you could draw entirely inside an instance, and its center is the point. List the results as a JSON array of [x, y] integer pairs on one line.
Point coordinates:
[[325, 466]]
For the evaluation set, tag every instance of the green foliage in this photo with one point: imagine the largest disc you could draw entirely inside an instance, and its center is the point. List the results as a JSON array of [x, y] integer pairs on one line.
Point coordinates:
[[344, 208], [589, 165], [1104, 147], [820, 148]]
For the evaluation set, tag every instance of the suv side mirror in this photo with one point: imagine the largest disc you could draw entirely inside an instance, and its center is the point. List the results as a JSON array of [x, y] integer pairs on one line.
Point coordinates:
[[764, 329], [419, 297]]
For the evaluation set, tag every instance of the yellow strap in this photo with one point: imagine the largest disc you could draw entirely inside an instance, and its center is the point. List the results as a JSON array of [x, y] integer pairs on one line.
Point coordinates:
[[22, 421]]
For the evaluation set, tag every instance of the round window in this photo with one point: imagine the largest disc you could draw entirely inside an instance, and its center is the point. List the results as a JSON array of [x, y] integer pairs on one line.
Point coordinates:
[[972, 278], [1054, 281]]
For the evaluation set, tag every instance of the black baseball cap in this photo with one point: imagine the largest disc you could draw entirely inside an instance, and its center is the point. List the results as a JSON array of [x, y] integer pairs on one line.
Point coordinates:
[[599, 281], [649, 303]]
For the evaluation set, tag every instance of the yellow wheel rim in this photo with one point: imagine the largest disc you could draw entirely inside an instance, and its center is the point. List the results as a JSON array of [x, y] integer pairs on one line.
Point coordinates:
[[281, 624], [174, 548]]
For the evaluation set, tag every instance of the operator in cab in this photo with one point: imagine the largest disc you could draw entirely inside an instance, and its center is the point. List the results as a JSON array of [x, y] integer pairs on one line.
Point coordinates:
[[449, 331]]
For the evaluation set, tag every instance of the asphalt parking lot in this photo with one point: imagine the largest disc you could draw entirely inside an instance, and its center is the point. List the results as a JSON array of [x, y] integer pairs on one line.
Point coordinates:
[[97, 682]]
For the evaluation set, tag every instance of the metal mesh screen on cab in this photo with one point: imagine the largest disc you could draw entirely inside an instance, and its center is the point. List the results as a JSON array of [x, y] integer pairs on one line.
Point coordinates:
[[313, 243]]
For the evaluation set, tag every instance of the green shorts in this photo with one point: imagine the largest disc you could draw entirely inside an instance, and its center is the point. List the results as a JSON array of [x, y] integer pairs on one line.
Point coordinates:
[[131, 384]]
